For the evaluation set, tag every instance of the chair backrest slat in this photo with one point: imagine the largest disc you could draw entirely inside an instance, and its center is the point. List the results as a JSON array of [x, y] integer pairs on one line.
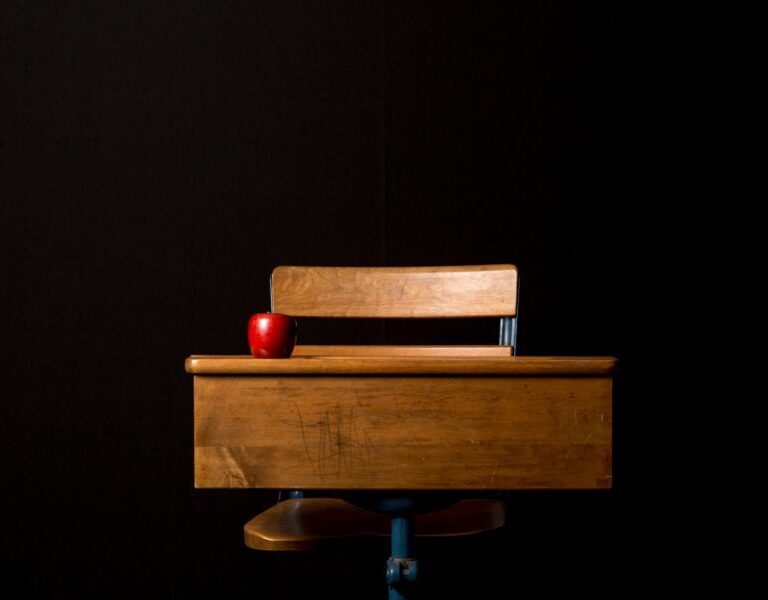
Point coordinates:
[[396, 292]]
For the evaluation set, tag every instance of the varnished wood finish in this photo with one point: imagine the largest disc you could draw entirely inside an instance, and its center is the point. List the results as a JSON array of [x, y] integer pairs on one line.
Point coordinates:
[[313, 523], [403, 432], [401, 365], [425, 292], [379, 351]]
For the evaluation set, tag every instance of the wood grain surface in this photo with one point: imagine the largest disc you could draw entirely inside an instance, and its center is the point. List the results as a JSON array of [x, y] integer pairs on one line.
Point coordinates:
[[427, 351], [315, 523], [424, 292], [403, 432], [401, 365]]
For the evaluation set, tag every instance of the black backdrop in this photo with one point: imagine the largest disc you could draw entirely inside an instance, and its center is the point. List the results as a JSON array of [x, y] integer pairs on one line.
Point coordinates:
[[160, 158]]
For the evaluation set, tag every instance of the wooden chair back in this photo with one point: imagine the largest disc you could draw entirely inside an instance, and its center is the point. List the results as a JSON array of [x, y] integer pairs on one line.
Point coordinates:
[[396, 292], [400, 292]]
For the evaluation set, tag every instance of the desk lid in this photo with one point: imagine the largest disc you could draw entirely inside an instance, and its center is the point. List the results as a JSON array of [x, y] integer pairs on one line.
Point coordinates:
[[411, 364]]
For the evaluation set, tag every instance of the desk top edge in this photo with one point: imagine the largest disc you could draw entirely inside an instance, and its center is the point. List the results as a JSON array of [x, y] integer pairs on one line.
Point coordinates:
[[402, 365]]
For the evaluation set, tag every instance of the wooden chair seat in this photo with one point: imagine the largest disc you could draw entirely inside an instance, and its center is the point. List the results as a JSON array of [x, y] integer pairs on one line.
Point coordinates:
[[314, 523]]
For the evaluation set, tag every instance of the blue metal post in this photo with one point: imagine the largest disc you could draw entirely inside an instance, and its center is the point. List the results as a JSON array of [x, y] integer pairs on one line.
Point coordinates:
[[508, 333], [401, 568], [402, 535]]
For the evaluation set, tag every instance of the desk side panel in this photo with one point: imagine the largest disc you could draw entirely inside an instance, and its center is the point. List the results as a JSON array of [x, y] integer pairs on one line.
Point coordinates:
[[470, 433]]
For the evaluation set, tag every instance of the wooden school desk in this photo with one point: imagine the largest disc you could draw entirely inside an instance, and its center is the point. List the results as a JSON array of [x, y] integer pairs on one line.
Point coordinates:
[[391, 422], [387, 427]]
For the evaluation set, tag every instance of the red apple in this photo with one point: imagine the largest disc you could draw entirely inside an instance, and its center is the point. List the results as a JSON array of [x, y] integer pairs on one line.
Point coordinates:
[[271, 335]]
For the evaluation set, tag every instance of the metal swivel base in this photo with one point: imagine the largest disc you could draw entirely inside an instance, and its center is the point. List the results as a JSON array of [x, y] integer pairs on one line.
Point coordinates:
[[402, 569]]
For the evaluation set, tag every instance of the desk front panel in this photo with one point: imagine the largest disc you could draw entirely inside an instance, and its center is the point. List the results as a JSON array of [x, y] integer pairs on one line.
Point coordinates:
[[402, 432]]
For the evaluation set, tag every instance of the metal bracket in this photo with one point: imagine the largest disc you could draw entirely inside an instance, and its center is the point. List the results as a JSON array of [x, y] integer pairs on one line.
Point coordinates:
[[402, 570], [508, 333], [289, 494]]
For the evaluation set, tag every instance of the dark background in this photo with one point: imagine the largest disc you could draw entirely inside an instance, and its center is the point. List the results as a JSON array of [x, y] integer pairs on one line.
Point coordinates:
[[159, 159]]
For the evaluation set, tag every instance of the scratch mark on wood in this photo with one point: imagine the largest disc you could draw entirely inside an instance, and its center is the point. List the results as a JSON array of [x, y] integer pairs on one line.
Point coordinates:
[[580, 446], [339, 441], [234, 470], [368, 444], [342, 446], [304, 438]]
